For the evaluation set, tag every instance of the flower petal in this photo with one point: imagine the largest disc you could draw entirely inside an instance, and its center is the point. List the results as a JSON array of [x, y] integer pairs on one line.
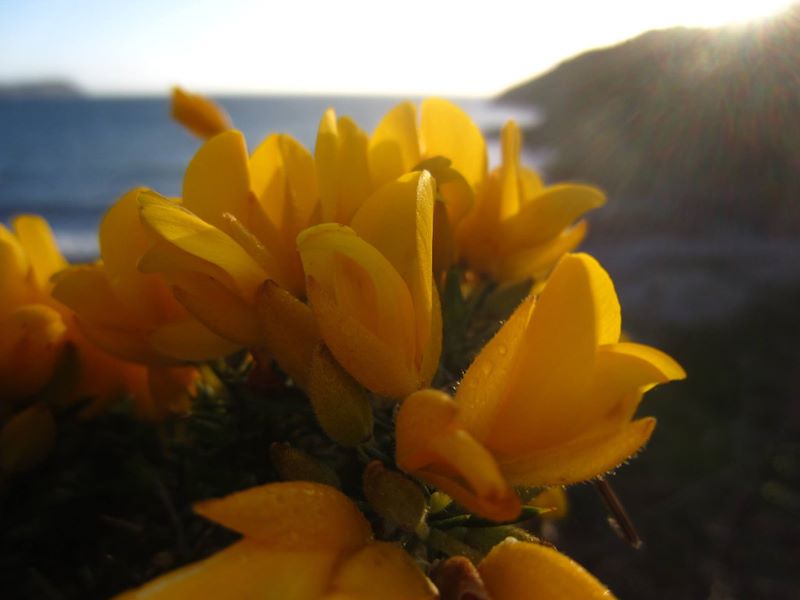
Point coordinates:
[[398, 221], [511, 190], [14, 267], [531, 183], [433, 349], [246, 570], [342, 167], [623, 372], [292, 515], [284, 181], [382, 571], [446, 130], [484, 386], [222, 311], [371, 360], [526, 571], [579, 460], [127, 344], [545, 216], [189, 233], [217, 180], [189, 340], [101, 306], [198, 114], [359, 298], [123, 241], [36, 238], [553, 499], [433, 446], [538, 261], [577, 308], [172, 264], [32, 340], [394, 145]]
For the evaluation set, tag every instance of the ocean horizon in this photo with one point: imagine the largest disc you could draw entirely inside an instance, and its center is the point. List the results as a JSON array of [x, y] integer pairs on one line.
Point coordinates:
[[70, 159]]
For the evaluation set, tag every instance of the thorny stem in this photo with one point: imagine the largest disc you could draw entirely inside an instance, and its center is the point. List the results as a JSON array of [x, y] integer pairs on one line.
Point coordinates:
[[619, 516]]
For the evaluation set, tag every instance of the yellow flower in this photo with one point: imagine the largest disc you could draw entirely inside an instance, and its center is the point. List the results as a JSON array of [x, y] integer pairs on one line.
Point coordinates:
[[548, 401], [371, 289], [526, 571], [40, 338], [219, 244], [399, 143], [434, 446], [302, 541], [444, 141], [199, 115], [342, 168], [128, 313], [519, 228]]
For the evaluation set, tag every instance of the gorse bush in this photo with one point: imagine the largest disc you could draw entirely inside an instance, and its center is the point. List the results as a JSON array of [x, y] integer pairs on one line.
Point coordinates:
[[369, 280]]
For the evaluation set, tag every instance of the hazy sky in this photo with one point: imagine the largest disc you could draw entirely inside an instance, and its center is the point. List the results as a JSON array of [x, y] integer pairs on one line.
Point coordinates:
[[336, 46]]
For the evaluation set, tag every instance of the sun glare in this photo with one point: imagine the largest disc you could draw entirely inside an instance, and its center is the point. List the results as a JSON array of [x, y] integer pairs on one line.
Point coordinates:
[[714, 13]]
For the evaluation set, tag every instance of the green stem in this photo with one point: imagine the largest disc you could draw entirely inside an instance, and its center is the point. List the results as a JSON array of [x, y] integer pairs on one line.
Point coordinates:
[[528, 512]]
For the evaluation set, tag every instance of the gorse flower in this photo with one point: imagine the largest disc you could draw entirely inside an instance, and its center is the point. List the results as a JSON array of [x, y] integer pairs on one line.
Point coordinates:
[[302, 541], [447, 143], [548, 401], [132, 314], [519, 228], [307, 541], [371, 288], [207, 245], [47, 364], [231, 232], [343, 175], [400, 143], [34, 331], [505, 224], [524, 571]]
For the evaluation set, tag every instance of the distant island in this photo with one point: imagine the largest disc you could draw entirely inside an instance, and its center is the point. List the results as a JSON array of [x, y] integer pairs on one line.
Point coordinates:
[[686, 129], [39, 89]]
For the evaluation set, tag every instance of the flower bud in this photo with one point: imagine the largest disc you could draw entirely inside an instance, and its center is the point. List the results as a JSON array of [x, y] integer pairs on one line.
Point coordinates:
[[289, 330], [340, 404], [293, 464], [395, 497]]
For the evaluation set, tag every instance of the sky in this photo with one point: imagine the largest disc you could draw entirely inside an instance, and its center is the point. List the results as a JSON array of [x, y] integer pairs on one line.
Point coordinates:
[[448, 47]]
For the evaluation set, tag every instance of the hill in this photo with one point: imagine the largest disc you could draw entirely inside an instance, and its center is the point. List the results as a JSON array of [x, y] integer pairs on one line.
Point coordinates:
[[687, 129]]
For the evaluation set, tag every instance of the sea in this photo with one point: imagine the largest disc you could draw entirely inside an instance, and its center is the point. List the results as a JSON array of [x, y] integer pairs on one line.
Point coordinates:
[[69, 159]]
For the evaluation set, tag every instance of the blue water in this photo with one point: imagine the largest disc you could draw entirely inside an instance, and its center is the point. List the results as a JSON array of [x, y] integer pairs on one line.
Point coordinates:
[[68, 160]]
